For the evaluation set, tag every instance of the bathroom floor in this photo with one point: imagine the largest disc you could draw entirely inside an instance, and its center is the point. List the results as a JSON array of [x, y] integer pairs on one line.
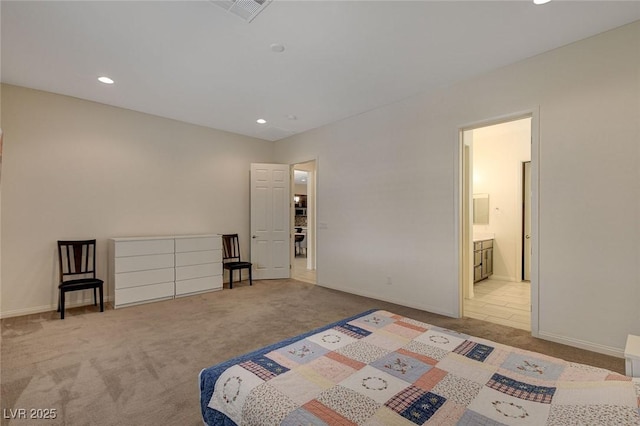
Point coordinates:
[[501, 302], [300, 272]]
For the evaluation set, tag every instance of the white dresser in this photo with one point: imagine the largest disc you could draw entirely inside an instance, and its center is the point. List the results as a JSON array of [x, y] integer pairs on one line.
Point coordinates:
[[145, 269]]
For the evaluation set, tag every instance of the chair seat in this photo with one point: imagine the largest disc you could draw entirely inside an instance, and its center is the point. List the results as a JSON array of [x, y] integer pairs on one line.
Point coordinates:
[[237, 265], [79, 284]]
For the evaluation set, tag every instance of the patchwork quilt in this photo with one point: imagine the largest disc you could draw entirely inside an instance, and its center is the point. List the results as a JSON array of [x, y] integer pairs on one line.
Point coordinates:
[[379, 368]]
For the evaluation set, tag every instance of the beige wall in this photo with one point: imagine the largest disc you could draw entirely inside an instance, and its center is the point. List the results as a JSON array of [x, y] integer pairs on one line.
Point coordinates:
[[498, 153], [77, 169], [398, 220]]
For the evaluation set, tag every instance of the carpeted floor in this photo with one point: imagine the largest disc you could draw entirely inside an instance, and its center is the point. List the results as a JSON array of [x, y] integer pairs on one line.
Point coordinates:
[[140, 365]]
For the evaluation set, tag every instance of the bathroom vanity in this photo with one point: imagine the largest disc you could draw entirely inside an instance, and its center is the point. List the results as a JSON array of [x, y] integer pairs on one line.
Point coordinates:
[[482, 258]]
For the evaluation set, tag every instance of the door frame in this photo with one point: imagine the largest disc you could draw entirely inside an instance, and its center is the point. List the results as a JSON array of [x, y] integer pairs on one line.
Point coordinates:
[[526, 215], [462, 211]]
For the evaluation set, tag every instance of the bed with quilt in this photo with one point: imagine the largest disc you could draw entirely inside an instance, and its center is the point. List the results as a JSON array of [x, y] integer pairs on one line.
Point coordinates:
[[378, 368]]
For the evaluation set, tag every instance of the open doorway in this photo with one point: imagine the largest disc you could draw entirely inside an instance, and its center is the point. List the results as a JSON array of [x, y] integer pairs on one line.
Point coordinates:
[[303, 259], [494, 222]]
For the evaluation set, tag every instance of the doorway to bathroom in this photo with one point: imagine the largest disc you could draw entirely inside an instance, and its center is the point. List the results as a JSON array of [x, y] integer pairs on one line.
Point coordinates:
[[303, 259], [496, 197]]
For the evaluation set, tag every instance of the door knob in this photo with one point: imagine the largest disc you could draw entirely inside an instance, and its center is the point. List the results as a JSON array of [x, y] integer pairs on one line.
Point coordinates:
[[255, 236], [527, 236]]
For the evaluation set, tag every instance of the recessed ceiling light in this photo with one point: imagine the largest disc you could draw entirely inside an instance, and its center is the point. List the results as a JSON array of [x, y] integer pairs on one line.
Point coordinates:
[[261, 121], [105, 80], [277, 47], [541, 1]]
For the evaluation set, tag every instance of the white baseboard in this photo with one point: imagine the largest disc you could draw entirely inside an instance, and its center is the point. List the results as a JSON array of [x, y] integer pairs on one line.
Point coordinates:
[[432, 309], [502, 278], [582, 344], [48, 308]]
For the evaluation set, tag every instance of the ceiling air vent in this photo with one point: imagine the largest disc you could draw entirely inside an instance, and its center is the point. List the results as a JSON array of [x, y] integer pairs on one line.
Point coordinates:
[[244, 9]]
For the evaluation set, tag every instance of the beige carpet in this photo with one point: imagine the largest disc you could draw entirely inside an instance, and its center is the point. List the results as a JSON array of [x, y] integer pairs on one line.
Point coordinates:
[[140, 365]]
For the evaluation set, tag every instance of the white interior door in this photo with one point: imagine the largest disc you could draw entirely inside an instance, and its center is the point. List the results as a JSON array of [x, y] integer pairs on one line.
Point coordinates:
[[270, 229]]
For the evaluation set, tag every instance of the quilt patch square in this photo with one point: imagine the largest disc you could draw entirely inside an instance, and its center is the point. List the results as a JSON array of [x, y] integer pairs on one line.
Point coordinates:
[[385, 417], [594, 393], [332, 339], [470, 370], [264, 367], [521, 390], [350, 404], [266, 405], [349, 362], [302, 417], [298, 386], [423, 358], [373, 321], [584, 373], [451, 332], [593, 415], [232, 390], [405, 329], [471, 418], [401, 366], [531, 366], [353, 331], [375, 384], [439, 340], [326, 414], [457, 389], [473, 350], [425, 350], [416, 323], [386, 340], [508, 410], [302, 351], [362, 351], [430, 379], [423, 408], [405, 399], [330, 369]]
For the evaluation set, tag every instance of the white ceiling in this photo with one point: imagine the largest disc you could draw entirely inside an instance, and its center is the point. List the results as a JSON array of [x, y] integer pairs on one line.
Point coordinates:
[[195, 62]]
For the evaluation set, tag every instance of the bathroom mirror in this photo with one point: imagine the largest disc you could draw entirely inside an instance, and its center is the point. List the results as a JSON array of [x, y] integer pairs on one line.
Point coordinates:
[[480, 209]]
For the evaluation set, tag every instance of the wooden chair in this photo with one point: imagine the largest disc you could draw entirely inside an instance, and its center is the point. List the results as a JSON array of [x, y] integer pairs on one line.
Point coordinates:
[[78, 262], [231, 258]]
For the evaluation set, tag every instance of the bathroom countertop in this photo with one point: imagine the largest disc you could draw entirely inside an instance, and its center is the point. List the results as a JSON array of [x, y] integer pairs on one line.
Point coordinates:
[[483, 236]]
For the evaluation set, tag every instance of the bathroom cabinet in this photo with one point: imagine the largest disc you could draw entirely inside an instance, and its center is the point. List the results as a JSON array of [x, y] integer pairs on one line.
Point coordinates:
[[482, 259]]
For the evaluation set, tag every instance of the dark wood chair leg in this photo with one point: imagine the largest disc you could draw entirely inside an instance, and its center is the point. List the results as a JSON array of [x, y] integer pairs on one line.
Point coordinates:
[[95, 299], [61, 304], [250, 278], [101, 300], [59, 295], [230, 279]]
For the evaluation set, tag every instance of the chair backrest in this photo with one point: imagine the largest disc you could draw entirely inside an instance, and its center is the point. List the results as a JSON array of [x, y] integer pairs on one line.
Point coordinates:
[[77, 258], [230, 248]]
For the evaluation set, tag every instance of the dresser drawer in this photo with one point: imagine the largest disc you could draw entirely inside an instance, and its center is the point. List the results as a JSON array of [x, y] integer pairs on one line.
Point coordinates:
[[198, 244], [198, 285], [144, 293], [143, 247], [198, 271], [143, 278], [198, 257], [143, 263]]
